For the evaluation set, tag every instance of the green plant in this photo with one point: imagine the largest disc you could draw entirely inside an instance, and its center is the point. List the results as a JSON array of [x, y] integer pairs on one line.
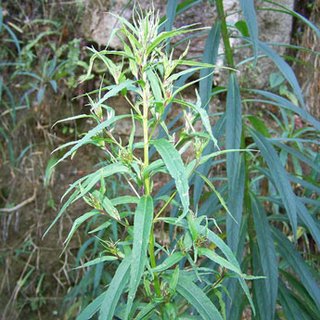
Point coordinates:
[[157, 287], [269, 217]]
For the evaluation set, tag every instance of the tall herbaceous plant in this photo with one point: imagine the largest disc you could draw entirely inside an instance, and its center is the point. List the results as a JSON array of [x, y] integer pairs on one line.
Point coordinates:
[[199, 212], [151, 279]]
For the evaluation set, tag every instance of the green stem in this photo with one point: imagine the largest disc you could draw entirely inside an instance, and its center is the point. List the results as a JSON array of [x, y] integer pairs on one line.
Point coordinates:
[[225, 35], [147, 186]]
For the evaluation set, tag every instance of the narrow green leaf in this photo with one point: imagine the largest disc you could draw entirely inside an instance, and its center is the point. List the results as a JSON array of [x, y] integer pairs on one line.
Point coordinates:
[[164, 36], [259, 125], [230, 256], [298, 154], [285, 69], [107, 205], [93, 132], [197, 299], [141, 232], [176, 168], [92, 308], [294, 14], [154, 83], [90, 182], [234, 164], [205, 120], [268, 259], [298, 265], [170, 15], [1, 19], [112, 295], [279, 175], [13, 37], [145, 311], [79, 116], [300, 293], [210, 55], [219, 260], [170, 261], [260, 288], [288, 105], [292, 309], [204, 169], [124, 200], [309, 221], [249, 13], [212, 187], [97, 260], [77, 223]]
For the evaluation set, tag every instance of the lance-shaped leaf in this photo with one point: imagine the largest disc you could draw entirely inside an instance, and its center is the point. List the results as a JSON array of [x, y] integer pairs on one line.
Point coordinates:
[[97, 260], [309, 221], [117, 285], [92, 308], [141, 232], [268, 262], [279, 175], [210, 55], [92, 133], [87, 184], [230, 256], [250, 17], [291, 308], [298, 265], [234, 167], [170, 261], [285, 69], [176, 168], [197, 299], [205, 168], [288, 105], [77, 223], [106, 204]]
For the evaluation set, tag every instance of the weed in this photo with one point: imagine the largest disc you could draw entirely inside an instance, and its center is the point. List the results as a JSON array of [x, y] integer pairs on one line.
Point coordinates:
[[253, 203]]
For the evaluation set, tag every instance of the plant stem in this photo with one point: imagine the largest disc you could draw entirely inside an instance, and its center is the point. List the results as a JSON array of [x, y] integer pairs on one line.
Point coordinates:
[[225, 35], [147, 185]]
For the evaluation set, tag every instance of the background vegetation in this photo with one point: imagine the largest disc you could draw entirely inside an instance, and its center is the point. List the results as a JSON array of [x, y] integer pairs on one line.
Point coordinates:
[[253, 212]]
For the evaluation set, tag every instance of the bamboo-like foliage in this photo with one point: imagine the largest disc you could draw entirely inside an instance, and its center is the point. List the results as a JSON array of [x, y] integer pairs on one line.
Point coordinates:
[[198, 275]]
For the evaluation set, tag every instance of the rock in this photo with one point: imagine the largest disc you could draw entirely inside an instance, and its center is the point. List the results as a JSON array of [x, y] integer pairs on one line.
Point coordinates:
[[273, 26]]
